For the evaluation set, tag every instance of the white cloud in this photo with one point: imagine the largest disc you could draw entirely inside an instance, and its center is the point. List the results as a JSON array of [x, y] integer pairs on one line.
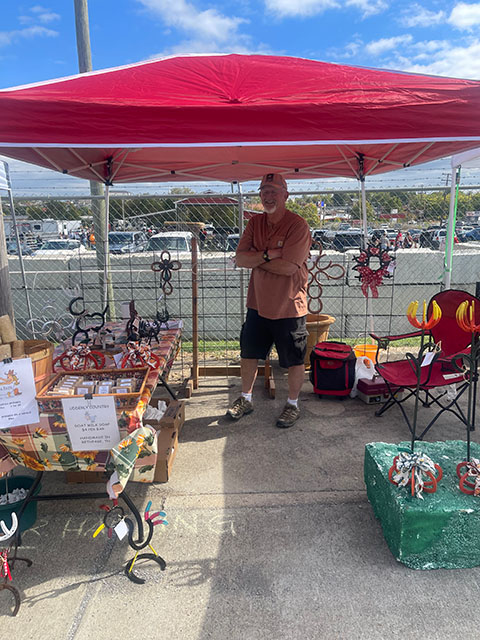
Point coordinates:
[[204, 46], [418, 16], [209, 25], [9, 37], [303, 8], [465, 16], [379, 47], [40, 14], [452, 58], [284, 8], [48, 16], [448, 60], [368, 7]]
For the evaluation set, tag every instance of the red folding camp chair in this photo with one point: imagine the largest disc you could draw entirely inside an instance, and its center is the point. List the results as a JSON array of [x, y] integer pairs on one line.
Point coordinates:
[[450, 343]]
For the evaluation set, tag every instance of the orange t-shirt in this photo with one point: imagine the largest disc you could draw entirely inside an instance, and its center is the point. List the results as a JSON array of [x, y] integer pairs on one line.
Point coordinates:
[[276, 296]]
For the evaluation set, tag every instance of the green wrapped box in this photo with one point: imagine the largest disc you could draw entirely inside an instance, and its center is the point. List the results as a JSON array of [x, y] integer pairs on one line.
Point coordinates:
[[440, 531]]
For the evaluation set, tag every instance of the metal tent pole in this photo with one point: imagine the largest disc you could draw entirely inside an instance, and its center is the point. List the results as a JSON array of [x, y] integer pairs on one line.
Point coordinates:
[[452, 214], [240, 231], [364, 211], [19, 248]]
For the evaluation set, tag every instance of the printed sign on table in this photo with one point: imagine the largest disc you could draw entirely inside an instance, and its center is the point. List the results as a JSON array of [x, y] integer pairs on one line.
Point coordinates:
[[91, 423], [18, 405]]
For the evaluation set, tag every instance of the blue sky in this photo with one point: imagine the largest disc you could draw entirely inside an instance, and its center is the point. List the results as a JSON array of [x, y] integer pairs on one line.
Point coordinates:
[[37, 41]]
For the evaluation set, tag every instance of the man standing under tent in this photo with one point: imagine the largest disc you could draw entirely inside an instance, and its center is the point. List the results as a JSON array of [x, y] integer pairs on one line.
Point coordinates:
[[275, 246]]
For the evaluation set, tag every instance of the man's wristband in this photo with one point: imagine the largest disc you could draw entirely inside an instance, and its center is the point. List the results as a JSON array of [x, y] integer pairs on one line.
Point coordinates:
[[265, 256]]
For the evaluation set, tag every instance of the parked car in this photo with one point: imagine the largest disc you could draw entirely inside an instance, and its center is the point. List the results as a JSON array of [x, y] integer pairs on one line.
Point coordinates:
[[347, 240], [220, 235], [323, 236], [231, 243], [12, 248], [127, 241], [473, 235], [175, 242], [60, 248], [462, 232], [435, 238]]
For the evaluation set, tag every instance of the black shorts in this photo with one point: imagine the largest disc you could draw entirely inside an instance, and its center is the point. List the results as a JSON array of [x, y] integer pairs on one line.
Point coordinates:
[[289, 335]]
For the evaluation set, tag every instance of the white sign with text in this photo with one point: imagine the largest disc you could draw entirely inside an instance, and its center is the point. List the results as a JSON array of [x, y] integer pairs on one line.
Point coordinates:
[[18, 405], [91, 423]]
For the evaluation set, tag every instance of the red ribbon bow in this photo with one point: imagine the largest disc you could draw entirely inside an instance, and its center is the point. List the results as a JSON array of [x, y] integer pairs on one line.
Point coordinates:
[[139, 355], [371, 279], [76, 353]]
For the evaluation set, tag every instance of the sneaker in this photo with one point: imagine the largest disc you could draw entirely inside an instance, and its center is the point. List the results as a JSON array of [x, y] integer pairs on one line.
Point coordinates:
[[288, 417], [241, 407]]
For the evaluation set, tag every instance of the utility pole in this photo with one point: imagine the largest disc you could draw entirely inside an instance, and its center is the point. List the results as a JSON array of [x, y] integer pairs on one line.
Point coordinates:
[[100, 222]]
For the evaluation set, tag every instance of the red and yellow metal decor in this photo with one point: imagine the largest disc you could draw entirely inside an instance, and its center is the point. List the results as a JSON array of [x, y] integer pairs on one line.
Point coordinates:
[[426, 323], [466, 317], [468, 471]]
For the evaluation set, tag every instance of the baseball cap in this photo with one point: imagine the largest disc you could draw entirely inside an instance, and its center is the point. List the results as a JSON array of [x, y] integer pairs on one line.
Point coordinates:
[[274, 180]]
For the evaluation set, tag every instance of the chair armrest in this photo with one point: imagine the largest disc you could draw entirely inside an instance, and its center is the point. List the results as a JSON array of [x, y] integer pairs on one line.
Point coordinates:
[[451, 360], [384, 340]]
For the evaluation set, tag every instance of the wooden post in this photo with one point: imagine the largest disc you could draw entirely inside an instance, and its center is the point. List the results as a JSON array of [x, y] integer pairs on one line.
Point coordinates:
[[195, 312]]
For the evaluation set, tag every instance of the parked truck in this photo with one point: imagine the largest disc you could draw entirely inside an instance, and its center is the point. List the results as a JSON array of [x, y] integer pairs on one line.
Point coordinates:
[[46, 228]]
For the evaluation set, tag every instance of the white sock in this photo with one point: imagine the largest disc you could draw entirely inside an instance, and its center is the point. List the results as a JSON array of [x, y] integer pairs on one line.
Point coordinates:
[[247, 396], [294, 402]]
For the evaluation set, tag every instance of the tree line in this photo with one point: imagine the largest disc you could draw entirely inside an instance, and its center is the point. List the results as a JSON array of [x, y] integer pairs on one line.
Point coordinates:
[[422, 206]]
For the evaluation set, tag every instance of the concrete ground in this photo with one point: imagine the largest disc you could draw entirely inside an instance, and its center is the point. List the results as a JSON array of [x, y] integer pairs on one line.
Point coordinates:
[[270, 536]]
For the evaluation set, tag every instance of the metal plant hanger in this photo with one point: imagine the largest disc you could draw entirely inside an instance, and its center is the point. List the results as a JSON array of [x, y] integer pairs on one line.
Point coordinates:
[[331, 271]]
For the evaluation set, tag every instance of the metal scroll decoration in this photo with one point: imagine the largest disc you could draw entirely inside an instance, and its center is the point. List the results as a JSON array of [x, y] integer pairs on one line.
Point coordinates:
[[371, 279], [469, 476], [331, 271], [8, 536], [51, 324], [138, 329], [86, 322], [113, 521], [164, 267]]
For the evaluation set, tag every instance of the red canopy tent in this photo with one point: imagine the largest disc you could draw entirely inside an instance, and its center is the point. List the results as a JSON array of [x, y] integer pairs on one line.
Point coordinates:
[[233, 117]]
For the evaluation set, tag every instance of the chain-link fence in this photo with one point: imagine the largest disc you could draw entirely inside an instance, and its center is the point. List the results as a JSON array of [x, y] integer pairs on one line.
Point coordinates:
[[60, 262]]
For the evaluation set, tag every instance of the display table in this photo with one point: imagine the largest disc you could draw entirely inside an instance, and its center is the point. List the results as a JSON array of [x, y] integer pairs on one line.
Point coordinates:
[[45, 446], [166, 348]]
